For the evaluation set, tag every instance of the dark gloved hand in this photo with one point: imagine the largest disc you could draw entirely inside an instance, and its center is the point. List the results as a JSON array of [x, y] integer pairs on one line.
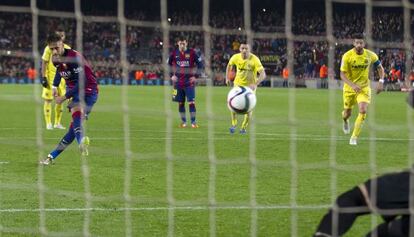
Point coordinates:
[[45, 83]]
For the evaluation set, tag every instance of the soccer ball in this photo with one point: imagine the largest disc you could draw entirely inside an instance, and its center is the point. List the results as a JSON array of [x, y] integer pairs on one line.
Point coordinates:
[[241, 100]]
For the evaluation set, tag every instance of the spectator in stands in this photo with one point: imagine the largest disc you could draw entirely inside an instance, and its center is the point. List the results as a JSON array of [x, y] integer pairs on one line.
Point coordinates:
[[235, 45], [394, 78], [101, 41], [411, 78], [31, 74], [219, 79], [139, 75], [285, 75], [309, 70], [152, 77], [323, 75]]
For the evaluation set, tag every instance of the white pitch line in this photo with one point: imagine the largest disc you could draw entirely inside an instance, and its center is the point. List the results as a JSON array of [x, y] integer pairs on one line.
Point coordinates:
[[280, 136], [268, 136], [190, 208], [178, 131], [276, 137], [3, 162]]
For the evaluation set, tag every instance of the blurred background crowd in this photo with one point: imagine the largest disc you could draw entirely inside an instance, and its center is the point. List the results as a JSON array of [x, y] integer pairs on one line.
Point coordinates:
[[101, 41]]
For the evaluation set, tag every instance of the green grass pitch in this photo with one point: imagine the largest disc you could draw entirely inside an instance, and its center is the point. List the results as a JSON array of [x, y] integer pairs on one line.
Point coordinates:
[[314, 135]]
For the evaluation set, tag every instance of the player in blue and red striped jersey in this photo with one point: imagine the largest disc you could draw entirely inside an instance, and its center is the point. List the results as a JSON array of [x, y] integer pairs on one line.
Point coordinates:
[[186, 66], [81, 90]]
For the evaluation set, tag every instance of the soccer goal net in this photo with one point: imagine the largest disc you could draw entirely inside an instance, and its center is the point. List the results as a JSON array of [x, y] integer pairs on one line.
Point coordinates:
[[146, 174]]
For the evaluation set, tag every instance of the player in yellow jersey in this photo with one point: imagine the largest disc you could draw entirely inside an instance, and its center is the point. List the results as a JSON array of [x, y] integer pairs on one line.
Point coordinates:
[[48, 74], [247, 67], [355, 66]]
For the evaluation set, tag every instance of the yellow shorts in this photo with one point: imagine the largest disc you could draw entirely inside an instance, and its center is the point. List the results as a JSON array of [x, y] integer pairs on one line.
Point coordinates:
[[351, 98], [47, 94]]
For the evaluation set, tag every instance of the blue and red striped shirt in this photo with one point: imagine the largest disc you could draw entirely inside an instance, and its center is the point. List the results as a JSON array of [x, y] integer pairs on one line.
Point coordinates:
[[185, 65], [70, 68]]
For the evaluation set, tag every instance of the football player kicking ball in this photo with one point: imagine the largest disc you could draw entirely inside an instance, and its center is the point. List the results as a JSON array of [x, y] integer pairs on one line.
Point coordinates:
[[247, 67], [81, 88]]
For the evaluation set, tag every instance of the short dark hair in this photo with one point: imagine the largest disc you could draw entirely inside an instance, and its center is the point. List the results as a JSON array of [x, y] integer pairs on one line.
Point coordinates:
[[358, 35], [59, 29], [181, 38], [54, 37]]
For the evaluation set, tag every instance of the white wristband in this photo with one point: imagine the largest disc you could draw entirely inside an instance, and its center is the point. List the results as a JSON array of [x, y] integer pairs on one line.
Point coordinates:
[[381, 80]]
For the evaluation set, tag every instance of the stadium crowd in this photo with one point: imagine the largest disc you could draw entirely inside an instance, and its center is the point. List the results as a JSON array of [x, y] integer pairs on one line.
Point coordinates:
[[101, 42]]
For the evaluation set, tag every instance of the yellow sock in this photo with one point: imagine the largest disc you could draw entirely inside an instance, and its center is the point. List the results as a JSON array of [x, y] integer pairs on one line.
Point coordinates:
[[245, 121], [358, 124], [47, 111], [233, 119], [58, 113]]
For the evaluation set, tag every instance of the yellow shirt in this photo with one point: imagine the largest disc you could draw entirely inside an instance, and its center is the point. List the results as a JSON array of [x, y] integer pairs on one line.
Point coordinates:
[[356, 67], [51, 69], [247, 69]]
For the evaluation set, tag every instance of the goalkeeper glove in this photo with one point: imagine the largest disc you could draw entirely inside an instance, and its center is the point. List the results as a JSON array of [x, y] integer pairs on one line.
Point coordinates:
[[45, 84]]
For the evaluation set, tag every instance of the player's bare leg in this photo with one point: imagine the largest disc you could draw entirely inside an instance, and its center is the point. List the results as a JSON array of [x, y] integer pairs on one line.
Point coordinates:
[[346, 113]]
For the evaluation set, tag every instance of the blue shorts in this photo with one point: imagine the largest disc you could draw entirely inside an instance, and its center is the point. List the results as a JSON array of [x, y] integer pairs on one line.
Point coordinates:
[[179, 95], [90, 100]]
